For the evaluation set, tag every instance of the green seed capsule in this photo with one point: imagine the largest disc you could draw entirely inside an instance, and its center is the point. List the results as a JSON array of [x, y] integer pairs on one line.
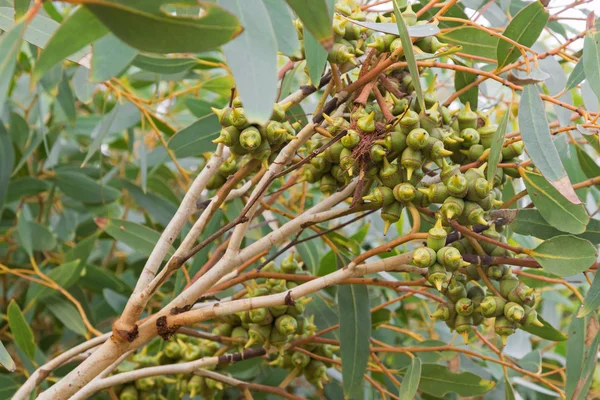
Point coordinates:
[[229, 136], [463, 246], [464, 307], [258, 334], [436, 275], [404, 192], [411, 160], [496, 272], [507, 284], [275, 132], [409, 121], [430, 119], [339, 26], [300, 360], [352, 32], [335, 125], [129, 392], [513, 150], [448, 171], [456, 291], [504, 328], [238, 118], [474, 152], [473, 214], [320, 164], [452, 207], [444, 312], [390, 215], [478, 189], [450, 258], [389, 174], [333, 152], [492, 306], [221, 330], [196, 384], [351, 139], [458, 186], [277, 311], [409, 16], [250, 139], [531, 318], [395, 143], [467, 118], [224, 115], [470, 137], [417, 139], [289, 265], [377, 153], [216, 182], [382, 43], [367, 123], [514, 312], [436, 238], [380, 195], [463, 324], [328, 184], [395, 45], [286, 324], [436, 193], [435, 151], [424, 257], [260, 316], [486, 133], [228, 167], [311, 174]]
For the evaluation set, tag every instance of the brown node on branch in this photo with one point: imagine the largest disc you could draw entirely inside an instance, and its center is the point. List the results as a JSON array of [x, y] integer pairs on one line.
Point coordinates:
[[288, 299], [244, 355], [179, 310], [164, 330], [129, 336]]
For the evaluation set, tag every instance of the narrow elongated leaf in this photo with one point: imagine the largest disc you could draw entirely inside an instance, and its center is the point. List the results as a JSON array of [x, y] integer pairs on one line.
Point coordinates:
[[565, 255], [5, 359], [77, 31], [539, 144], [462, 79], [21, 7], [530, 222], [473, 41], [437, 380], [524, 29], [285, 32], [325, 316], [20, 329], [66, 99], [67, 314], [355, 331], [252, 57], [316, 58], [577, 75], [84, 189], [7, 159], [10, 43], [592, 298], [84, 90], [391, 28], [163, 65], [496, 148], [65, 275], [196, 138], [581, 347], [316, 18], [151, 26], [587, 163], [553, 206], [591, 62], [409, 54], [110, 58], [34, 237], [139, 237], [410, 382]]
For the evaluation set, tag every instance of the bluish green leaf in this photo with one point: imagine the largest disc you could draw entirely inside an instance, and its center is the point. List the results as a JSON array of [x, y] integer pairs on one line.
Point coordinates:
[[110, 57], [67, 314], [7, 159], [410, 382], [496, 148], [80, 187], [462, 79], [66, 100], [21, 7], [409, 54], [163, 65], [10, 43], [196, 138], [355, 332], [325, 315], [524, 29], [316, 58], [139, 237], [582, 350], [65, 275], [437, 380], [5, 359], [153, 26], [538, 141], [285, 32], [577, 75], [591, 62], [20, 329], [34, 237], [530, 222], [77, 31], [592, 298], [565, 255], [252, 57], [472, 40], [316, 17], [587, 163]]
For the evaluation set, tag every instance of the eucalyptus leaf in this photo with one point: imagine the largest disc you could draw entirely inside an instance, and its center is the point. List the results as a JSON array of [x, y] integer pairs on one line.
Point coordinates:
[[5, 359], [565, 255], [592, 298], [473, 41], [410, 382], [7, 159], [591, 62], [316, 17], [496, 148], [139, 237], [20, 329]]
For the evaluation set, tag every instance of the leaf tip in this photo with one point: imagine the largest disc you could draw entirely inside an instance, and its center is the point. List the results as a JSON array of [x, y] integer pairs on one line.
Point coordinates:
[[101, 222]]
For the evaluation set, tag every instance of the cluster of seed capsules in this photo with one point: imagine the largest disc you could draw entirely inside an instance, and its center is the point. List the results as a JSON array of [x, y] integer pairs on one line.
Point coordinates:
[[179, 349], [272, 328], [467, 302]]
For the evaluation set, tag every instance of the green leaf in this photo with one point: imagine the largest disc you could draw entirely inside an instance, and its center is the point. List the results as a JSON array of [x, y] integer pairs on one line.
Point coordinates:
[[84, 90], [316, 18], [7, 159], [66, 100], [252, 58], [531, 362], [110, 58], [25, 187], [591, 62], [196, 138], [577, 75], [462, 79], [316, 58], [139, 237], [547, 331], [509, 394], [309, 252], [554, 207], [538, 141], [163, 65], [592, 298], [325, 315], [409, 54], [5, 359], [21, 7], [159, 209], [21, 331], [285, 32], [83, 249], [76, 32], [473, 41], [355, 332], [80, 187], [10, 44], [437, 380], [565, 255], [524, 29], [34, 237], [588, 165], [530, 222], [496, 148], [423, 30], [67, 314], [410, 382], [65, 275], [151, 26], [582, 350]]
